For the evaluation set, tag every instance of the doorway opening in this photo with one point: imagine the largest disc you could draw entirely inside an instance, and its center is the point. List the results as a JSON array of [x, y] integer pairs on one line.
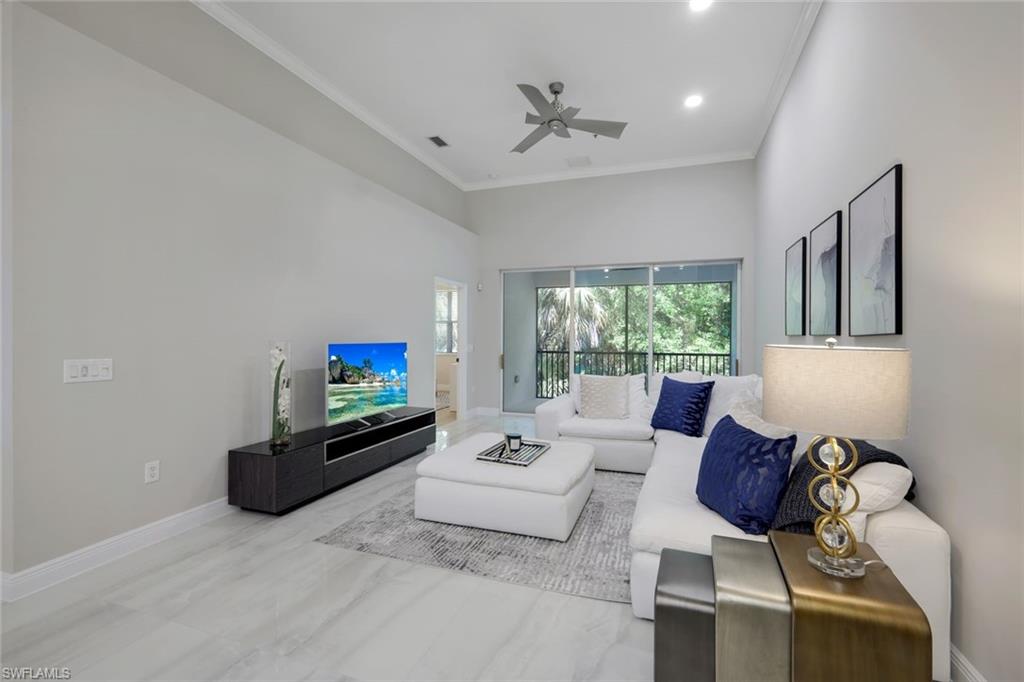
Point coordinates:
[[449, 374]]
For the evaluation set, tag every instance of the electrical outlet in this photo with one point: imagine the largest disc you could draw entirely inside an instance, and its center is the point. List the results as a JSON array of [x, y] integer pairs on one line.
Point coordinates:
[[80, 371], [152, 471]]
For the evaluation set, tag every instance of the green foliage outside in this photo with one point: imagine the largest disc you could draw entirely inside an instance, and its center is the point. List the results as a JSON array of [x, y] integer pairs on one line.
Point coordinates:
[[611, 324], [688, 318]]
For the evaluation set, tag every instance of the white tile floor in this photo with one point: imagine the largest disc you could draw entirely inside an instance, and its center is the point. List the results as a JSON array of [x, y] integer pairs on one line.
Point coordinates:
[[253, 597]]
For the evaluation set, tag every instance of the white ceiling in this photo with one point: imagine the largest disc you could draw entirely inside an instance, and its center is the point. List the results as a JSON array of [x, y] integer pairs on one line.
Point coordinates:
[[412, 70]]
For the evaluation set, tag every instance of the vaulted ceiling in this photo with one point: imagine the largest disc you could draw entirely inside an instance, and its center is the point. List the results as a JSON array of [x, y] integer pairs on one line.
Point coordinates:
[[415, 70]]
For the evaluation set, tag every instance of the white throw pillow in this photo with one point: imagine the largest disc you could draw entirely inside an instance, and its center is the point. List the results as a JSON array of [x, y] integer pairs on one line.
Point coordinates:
[[746, 411], [747, 419], [655, 390], [638, 407], [724, 392], [745, 401], [604, 397], [882, 486], [574, 391]]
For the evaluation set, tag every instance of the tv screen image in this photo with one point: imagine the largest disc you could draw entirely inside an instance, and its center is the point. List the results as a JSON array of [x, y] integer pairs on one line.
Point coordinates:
[[365, 378]]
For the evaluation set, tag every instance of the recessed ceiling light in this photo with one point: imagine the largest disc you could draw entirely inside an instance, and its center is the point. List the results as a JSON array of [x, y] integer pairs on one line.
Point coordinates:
[[693, 101], [699, 5]]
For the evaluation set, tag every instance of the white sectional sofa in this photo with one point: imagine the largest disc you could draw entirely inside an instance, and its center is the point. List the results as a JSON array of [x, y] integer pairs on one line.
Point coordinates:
[[619, 444], [669, 515]]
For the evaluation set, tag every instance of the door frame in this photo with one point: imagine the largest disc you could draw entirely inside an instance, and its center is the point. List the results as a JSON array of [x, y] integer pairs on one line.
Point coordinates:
[[462, 324]]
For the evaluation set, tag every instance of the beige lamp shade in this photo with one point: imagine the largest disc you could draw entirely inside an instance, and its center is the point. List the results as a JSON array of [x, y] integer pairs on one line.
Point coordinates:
[[848, 392]]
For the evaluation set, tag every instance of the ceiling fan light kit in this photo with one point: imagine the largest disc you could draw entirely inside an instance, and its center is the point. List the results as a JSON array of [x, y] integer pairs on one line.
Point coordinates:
[[555, 117]]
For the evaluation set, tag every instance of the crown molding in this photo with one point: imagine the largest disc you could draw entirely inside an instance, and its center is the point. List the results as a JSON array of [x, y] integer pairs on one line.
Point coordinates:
[[797, 40], [620, 169], [270, 47]]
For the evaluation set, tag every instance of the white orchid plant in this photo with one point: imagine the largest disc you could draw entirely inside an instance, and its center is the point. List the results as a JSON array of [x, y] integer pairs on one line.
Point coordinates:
[[281, 415]]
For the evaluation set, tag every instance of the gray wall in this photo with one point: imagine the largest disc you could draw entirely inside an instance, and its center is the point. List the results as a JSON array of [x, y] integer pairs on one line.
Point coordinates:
[[937, 87], [157, 227], [683, 214], [519, 308], [224, 67]]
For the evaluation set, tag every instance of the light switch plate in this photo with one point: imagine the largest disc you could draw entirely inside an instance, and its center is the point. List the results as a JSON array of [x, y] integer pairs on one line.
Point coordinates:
[[80, 371]]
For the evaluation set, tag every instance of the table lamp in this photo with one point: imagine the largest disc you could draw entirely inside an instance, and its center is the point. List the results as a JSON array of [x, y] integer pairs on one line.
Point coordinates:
[[843, 392]]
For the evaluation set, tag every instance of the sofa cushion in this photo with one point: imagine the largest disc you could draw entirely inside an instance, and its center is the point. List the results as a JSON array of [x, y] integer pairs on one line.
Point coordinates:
[[743, 474], [618, 429], [654, 390], [668, 513], [682, 406], [613, 454], [726, 390], [638, 406], [604, 397], [743, 411], [673, 447], [881, 486]]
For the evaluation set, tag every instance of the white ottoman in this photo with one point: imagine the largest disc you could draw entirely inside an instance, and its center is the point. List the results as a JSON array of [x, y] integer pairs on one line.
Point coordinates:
[[543, 499]]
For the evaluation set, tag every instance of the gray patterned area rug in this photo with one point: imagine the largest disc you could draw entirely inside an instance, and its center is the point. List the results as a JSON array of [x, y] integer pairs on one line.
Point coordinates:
[[593, 562]]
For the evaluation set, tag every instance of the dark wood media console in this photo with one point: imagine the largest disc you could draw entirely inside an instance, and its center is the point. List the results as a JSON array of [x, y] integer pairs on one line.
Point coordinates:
[[318, 461]]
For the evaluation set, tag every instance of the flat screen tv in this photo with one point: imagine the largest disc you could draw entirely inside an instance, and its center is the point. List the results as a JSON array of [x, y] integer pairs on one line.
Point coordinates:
[[364, 379]]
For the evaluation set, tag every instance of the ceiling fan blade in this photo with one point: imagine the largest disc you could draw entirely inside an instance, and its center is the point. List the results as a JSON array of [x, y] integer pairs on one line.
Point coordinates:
[[569, 113], [534, 119], [539, 133], [539, 102], [604, 128]]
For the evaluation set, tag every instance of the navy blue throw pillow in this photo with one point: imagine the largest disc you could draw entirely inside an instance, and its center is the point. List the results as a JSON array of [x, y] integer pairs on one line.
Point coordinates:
[[682, 406], [743, 475]]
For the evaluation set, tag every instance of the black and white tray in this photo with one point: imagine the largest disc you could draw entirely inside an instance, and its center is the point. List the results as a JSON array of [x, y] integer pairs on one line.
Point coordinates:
[[526, 455]]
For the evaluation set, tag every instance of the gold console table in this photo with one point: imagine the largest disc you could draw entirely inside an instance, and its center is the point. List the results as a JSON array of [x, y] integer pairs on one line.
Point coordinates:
[[866, 628]]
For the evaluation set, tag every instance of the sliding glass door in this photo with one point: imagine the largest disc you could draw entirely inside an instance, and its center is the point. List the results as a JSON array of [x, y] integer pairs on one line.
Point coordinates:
[[611, 321], [614, 321], [695, 317]]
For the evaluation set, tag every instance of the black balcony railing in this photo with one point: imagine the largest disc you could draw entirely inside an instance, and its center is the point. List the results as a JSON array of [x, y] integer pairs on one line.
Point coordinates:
[[553, 366]]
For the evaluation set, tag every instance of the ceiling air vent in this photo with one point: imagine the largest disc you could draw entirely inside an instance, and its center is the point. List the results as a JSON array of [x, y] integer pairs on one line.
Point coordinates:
[[438, 140], [578, 161]]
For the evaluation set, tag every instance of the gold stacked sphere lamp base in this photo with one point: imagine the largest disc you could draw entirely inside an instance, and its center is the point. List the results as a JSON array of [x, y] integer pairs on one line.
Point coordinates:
[[837, 543]]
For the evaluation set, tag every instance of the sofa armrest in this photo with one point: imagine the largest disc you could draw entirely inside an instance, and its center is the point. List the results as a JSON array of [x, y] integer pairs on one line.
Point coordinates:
[[551, 413], [917, 550]]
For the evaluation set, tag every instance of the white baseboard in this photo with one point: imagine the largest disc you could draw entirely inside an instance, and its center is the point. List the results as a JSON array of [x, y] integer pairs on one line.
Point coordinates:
[[49, 573], [963, 670], [485, 412]]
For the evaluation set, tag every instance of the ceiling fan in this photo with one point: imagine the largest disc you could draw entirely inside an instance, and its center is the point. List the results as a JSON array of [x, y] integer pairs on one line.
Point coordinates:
[[554, 117]]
